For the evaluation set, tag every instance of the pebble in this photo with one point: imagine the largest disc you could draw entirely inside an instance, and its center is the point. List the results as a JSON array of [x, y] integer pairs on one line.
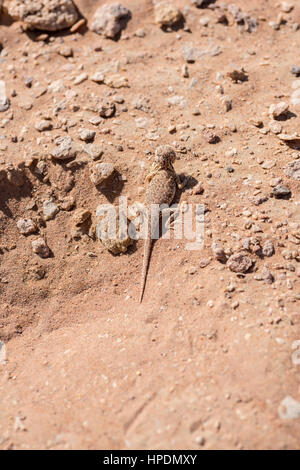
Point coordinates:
[[289, 408], [276, 110], [166, 14], [86, 135], [43, 125], [281, 192], [100, 172], [268, 248], [295, 70], [50, 209], [26, 226], [293, 170], [80, 78], [107, 109], [64, 149], [218, 252], [239, 263], [275, 127], [4, 101], [40, 247], [109, 20]]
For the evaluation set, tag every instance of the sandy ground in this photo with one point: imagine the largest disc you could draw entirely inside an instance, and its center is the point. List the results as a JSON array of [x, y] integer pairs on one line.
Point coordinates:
[[210, 359]]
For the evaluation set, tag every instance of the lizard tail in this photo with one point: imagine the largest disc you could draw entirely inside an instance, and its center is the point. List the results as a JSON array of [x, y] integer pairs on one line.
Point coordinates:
[[147, 253]]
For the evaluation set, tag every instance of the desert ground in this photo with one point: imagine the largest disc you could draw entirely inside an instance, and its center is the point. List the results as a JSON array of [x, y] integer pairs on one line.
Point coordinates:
[[210, 359]]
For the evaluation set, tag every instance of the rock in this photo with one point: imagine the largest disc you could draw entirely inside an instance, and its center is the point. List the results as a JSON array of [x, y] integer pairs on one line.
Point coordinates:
[[114, 237], [98, 77], [40, 247], [289, 408], [50, 15], [265, 276], [81, 216], [275, 127], [49, 209], [211, 137], [80, 78], [2, 345], [86, 135], [100, 172], [167, 14], [26, 226], [67, 203], [57, 86], [295, 70], [107, 109], [109, 20], [43, 125], [116, 81], [66, 51], [4, 101], [64, 149], [289, 137], [281, 192], [239, 262], [198, 188], [191, 53], [218, 252], [243, 20], [293, 170], [268, 248], [278, 109], [95, 151], [81, 222]]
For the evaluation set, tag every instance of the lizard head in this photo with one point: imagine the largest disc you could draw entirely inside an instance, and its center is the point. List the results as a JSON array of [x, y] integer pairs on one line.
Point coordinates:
[[165, 156]]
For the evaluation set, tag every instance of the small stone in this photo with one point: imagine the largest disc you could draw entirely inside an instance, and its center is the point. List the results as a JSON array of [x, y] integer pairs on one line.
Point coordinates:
[[64, 149], [98, 77], [281, 192], [49, 209], [116, 81], [268, 248], [293, 170], [200, 440], [275, 127], [43, 125], [50, 15], [286, 7], [278, 109], [65, 51], [218, 252], [80, 78], [26, 226], [86, 135], [109, 20], [166, 14], [185, 71], [4, 100], [107, 109], [100, 172], [40, 247], [295, 70], [239, 263], [67, 203], [198, 188], [211, 137], [289, 408]]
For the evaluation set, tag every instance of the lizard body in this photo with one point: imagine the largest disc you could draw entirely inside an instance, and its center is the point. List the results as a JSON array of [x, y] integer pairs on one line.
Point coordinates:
[[161, 189]]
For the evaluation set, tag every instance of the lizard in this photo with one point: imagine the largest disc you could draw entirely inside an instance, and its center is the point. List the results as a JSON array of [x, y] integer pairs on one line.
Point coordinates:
[[162, 181]]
